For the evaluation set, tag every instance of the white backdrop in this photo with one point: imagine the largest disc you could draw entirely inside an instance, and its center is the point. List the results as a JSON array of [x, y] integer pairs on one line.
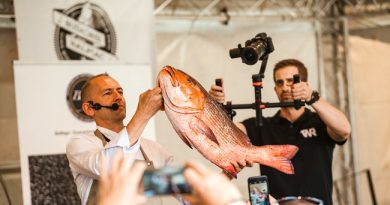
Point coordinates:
[[36, 28], [52, 30], [45, 123], [370, 75], [203, 52]]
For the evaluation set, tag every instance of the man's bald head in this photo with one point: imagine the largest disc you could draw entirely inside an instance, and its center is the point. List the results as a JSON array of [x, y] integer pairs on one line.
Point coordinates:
[[87, 88]]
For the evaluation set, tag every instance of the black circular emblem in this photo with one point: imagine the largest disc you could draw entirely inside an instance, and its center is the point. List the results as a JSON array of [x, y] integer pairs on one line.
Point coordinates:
[[73, 96], [84, 32]]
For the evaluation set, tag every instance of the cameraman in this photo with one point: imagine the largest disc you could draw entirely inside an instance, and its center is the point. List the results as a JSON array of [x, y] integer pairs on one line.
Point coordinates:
[[315, 133]]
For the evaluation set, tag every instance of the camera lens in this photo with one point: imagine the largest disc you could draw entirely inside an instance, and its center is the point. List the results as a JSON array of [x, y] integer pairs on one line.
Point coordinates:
[[234, 53], [250, 56]]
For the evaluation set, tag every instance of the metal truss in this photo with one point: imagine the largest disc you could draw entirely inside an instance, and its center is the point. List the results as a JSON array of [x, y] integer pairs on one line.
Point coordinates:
[[271, 8], [361, 13], [6, 7], [335, 81], [284, 8]]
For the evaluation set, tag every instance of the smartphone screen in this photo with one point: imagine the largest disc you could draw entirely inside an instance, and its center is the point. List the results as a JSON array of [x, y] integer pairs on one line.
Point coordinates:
[[165, 181], [258, 190]]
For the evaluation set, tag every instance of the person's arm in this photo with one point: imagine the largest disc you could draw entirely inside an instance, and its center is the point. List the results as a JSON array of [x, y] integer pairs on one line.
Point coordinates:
[[338, 126], [149, 103], [241, 126], [84, 152]]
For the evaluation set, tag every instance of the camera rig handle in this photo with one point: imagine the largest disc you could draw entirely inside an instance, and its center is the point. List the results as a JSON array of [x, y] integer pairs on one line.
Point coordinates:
[[258, 105], [296, 79], [231, 113]]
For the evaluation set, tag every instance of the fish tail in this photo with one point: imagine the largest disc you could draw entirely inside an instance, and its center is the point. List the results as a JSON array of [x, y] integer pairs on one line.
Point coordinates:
[[282, 164], [287, 151], [277, 156]]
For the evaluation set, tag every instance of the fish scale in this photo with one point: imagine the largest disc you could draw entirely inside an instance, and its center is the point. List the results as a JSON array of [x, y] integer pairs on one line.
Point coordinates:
[[203, 124], [228, 137]]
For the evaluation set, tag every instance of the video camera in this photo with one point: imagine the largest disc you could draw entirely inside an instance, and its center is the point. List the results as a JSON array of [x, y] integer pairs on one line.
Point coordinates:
[[255, 49]]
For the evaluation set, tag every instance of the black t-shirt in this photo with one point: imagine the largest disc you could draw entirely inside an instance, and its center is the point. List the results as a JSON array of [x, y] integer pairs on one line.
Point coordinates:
[[312, 163]]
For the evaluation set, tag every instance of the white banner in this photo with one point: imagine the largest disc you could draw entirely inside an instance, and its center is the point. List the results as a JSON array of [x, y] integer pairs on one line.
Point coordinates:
[[48, 111], [85, 30]]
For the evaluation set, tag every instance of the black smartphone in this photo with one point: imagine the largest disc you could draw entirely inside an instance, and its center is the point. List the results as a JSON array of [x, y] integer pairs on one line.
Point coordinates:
[[165, 181], [218, 81], [258, 190]]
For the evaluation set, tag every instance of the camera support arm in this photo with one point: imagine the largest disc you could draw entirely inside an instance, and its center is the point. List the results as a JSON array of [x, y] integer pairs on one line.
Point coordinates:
[[258, 49], [258, 105]]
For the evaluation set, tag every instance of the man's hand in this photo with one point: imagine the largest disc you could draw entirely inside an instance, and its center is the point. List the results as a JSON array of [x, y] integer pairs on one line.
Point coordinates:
[[210, 188], [301, 91], [238, 167], [217, 92], [121, 185], [150, 102]]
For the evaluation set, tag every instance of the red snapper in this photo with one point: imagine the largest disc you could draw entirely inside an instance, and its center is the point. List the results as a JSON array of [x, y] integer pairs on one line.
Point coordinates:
[[201, 122]]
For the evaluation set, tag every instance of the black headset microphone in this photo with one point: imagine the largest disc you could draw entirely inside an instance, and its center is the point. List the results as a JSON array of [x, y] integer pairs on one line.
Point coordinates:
[[97, 106]]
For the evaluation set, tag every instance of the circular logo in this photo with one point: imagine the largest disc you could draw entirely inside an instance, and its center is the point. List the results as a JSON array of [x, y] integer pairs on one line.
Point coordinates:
[[84, 32], [73, 96]]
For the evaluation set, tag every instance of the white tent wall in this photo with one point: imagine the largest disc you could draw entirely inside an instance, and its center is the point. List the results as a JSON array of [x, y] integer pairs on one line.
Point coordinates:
[[370, 74], [202, 50]]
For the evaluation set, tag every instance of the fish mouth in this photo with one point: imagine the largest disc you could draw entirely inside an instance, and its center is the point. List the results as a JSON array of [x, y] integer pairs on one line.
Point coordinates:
[[168, 80], [171, 73]]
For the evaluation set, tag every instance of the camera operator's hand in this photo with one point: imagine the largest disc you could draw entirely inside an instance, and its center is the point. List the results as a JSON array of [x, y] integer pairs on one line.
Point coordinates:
[[301, 91], [218, 93], [210, 188]]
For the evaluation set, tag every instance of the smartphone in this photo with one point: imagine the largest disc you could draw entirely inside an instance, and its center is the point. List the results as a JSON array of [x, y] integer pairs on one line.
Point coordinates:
[[165, 181], [258, 190], [218, 81]]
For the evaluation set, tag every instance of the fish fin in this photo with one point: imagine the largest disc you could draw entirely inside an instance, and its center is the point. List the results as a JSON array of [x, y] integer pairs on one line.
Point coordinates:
[[279, 157], [199, 126], [182, 136], [185, 140]]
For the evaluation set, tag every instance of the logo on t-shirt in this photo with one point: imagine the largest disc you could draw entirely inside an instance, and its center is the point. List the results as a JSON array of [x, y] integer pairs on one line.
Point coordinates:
[[310, 132]]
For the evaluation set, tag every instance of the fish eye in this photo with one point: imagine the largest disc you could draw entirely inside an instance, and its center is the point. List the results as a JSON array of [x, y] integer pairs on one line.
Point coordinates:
[[189, 80]]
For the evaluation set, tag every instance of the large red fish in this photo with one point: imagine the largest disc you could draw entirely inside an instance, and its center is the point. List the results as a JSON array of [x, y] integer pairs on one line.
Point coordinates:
[[202, 123]]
